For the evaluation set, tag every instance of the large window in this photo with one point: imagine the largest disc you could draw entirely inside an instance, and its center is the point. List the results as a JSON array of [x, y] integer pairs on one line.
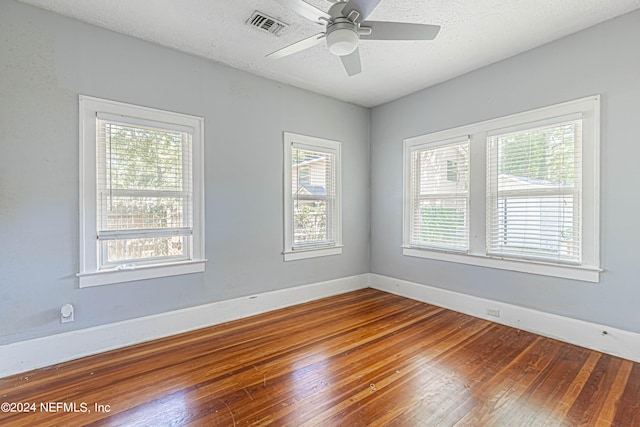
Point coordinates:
[[519, 193], [141, 193], [312, 197]]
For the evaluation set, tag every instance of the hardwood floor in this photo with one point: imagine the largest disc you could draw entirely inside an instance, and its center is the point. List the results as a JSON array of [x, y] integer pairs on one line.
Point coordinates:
[[358, 359]]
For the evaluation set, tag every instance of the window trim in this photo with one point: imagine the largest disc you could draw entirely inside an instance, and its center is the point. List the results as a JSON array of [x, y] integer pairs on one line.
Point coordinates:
[[89, 272], [589, 270], [312, 251]]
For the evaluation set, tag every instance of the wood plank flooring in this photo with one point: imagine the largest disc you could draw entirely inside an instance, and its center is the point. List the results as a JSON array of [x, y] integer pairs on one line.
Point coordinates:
[[365, 358]]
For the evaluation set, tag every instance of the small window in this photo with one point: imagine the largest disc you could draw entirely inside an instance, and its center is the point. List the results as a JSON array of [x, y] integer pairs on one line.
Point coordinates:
[[439, 195], [312, 197], [141, 197]]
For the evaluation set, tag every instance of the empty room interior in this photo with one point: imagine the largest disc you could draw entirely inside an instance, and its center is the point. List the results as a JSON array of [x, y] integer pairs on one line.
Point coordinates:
[[336, 213]]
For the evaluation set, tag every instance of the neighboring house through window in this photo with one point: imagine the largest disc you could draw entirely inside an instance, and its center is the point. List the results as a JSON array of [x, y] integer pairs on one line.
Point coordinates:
[[312, 197], [141, 193]]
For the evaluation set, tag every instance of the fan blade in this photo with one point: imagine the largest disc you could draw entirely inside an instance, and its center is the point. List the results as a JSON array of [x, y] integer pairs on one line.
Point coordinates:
[[352, 63], [364, 7], [305, 9], [399, 31], [297, 47]]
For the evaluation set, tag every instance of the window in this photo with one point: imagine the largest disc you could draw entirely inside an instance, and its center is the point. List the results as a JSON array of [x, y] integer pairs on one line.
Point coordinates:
[[312, 197], [534, 192], [519, 193], [439, 188], [141, 193]]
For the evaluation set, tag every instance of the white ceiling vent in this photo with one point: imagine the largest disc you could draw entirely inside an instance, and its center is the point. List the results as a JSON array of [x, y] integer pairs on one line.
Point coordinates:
[[266, 23]]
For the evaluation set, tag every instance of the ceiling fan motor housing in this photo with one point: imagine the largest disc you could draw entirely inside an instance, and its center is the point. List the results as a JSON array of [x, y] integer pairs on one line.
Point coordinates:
[[342, 37]]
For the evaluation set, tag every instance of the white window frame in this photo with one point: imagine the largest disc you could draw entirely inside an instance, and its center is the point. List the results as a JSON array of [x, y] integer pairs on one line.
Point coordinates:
[[589, 269], [91, 274], [291, 252]]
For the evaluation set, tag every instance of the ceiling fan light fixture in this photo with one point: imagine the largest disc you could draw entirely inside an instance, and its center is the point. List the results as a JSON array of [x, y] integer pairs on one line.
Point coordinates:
[[342, 41], [345, 24]]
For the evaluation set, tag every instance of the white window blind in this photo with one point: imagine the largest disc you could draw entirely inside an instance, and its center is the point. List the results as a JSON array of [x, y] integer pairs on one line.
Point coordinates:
[[535, 190], [313, 193], [439, 195], [144, 191]]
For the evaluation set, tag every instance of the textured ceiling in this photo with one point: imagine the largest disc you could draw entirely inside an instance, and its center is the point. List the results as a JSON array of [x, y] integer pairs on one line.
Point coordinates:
[[474, 33]]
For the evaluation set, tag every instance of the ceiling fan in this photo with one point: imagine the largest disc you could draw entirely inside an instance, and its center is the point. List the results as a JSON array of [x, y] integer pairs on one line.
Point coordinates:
[[345, 25]]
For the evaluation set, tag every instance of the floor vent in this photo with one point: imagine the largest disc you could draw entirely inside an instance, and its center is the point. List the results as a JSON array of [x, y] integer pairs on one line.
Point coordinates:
[[266, 23]]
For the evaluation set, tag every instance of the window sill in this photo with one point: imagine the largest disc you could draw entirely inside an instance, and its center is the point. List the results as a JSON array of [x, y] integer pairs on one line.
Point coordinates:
[[575, 272], [111, 276], [312, 253]]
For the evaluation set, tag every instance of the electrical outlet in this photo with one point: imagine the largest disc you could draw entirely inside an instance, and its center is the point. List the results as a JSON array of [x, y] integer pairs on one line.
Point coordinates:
[[66, 313], [495, 312]]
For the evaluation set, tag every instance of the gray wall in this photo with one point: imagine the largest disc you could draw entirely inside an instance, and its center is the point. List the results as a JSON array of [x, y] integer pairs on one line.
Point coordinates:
[[604, 59], [47, 60]]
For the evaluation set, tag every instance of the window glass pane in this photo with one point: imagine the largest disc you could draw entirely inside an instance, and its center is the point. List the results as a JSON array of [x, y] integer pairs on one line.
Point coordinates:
[[313, 195], [133, 212], [143, 183], [310, 221], [534, 193], [442, 170], [123, 250], [304, 176], [440, 223], [141, 158], [439, 188], [537, 226], [543, 157]]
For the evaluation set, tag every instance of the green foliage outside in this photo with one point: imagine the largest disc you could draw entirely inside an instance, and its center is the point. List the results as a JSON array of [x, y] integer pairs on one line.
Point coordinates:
[[545, 155], [310, 223], [443, 226], [144, 159]]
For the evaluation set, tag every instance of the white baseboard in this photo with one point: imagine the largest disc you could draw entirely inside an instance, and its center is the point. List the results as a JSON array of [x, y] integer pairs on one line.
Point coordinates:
[[597, 337], [24, 356], [40, 352]]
